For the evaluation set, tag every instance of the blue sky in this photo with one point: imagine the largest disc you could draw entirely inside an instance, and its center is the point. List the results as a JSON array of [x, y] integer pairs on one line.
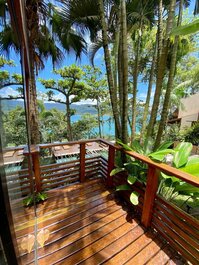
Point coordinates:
[[47, 73]]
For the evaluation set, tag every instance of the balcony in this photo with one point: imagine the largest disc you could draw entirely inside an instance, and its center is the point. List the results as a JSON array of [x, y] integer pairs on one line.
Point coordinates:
[[84, 221]]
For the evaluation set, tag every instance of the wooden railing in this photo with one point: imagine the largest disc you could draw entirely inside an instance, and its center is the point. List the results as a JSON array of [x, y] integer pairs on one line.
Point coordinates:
[[178, 227]]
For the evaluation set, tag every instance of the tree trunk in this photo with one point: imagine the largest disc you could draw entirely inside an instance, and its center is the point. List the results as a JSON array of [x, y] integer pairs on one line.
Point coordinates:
[[125, 72], [112, 90], [165, 108], [68, 120], [161, 69], [98, 118], [120, 78], [146, 107], [135, 81], [160, 30], [33, 109]]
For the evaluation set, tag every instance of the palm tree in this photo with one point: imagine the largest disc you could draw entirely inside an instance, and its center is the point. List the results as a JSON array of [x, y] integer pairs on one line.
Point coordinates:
[[140, 15], [172, 69], [163, 47], [42, 45]]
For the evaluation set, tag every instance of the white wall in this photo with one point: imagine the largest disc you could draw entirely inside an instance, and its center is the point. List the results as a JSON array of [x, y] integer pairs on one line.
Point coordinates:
[[189, 111]]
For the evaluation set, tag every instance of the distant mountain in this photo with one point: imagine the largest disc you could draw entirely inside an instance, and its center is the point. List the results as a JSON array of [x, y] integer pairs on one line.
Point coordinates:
[[8, 105]]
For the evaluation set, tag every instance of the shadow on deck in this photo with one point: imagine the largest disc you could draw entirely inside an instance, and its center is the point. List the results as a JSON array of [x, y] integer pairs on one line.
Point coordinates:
[[87, 224]]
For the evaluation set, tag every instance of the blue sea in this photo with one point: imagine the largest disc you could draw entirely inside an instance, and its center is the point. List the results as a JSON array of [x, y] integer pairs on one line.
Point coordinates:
[[108, 127]]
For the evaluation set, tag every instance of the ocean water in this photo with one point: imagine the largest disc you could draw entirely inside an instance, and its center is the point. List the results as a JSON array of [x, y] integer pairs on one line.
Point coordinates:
[[108, 127]]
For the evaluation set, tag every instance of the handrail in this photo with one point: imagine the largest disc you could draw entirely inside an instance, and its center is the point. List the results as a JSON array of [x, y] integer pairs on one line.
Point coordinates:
[[193, 180], [68, 143]]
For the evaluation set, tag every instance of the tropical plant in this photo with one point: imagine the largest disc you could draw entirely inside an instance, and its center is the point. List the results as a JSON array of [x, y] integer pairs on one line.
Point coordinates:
[[137, 170], [191, 134], [171, 187], [37, 197]]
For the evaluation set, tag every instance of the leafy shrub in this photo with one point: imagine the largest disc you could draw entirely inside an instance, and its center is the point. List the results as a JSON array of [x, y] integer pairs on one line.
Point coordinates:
[[192, 134], [37, 197]]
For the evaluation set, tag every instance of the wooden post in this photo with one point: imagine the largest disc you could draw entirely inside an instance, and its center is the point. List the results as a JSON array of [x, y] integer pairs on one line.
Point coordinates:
[[111, 165], [36, 168], [149, 197], [82, 161], [34, 153]]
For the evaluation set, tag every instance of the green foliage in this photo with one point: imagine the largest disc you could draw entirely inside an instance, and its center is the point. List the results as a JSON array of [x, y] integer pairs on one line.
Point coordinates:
[[171, 187], [182, 153], [147, 147], [116, 171], [123, 187], [190, 28], [4, 61], [134, 198], [84, 128], [135, 169], [14, 124], [191, 134], [35, 198]]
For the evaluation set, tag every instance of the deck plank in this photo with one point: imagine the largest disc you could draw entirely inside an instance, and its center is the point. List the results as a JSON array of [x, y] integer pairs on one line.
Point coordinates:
[[87, 225]]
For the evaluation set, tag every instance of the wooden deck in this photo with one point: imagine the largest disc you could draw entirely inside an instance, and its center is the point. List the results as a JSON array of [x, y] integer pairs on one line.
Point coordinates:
[[86, 224]]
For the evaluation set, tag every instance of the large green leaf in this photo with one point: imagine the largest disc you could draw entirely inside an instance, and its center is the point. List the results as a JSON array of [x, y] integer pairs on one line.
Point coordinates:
[[164, 146], [187, 188], [159, 155], [148, 146], [190, 28], [116, 170], [131, 179], [132, 167], [136, 146], [192, 161], [173, 179], [123, 187], [182, 153], [192, 169], [134, 198], [125, 146]]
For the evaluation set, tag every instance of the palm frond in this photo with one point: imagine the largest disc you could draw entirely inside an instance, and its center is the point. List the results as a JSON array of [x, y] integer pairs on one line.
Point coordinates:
[[83, 15], [93, 48], [8, 41]]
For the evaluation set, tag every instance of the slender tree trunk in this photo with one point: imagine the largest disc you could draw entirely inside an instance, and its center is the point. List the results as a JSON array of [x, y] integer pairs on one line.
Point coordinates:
[[125, 72], [68, 119], [112, 90], [160, 30], [161, 69], [146, 107], [33, 109], [98, 118], [165, 108], [120, 78], [135, 82], [116, 51]]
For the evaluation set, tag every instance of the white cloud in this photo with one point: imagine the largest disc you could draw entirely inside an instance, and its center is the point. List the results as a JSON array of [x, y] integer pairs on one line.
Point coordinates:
[[60, 96], [87, 101], [8, 91]]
